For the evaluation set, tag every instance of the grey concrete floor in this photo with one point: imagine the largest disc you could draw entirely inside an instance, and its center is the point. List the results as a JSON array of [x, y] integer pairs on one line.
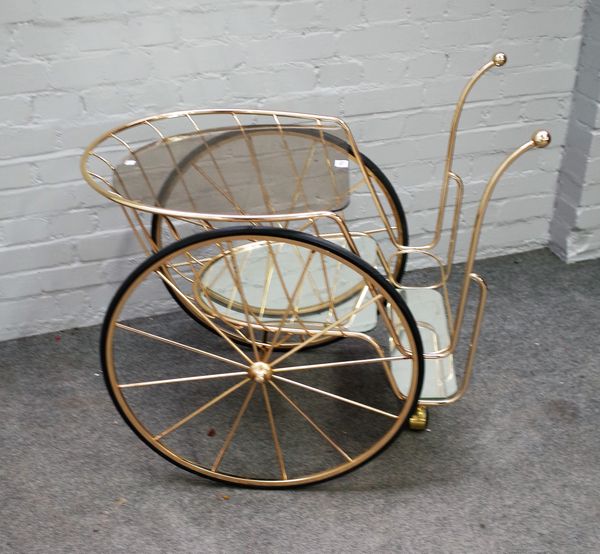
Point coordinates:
[[513, 467]]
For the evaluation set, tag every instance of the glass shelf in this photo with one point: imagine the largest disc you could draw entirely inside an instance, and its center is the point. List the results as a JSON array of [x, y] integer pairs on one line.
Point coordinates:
[[427, 306]]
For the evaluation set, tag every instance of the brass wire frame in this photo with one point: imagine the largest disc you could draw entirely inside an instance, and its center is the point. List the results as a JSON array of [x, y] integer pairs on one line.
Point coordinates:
[[312, 224], [311, 219]]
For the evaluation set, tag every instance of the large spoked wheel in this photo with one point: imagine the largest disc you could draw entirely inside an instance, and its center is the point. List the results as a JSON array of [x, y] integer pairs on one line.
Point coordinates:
[[163, 231], [245, 413]]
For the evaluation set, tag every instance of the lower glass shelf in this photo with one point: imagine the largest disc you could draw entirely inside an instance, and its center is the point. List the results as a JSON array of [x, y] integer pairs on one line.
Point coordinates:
[[427, 307], [330, 292]]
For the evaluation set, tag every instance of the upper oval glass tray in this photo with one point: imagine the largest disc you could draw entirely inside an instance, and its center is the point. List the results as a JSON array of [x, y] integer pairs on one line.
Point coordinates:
[[248, 170]]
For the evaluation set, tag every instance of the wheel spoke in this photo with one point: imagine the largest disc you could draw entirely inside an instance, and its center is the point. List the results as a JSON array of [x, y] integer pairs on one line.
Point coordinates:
[[183, 379], [278, 451], [235, 273], [179, 345], [267, 284], [330, 291], [336, 397], [198, 411], [230, 261], [290, 300], [234, 428], [188, 303], [312, 423], [325, 329], [290, 307], [340, 364]]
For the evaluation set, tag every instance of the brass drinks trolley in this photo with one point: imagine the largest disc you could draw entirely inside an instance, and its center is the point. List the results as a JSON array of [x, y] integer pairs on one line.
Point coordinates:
[[270, 338]]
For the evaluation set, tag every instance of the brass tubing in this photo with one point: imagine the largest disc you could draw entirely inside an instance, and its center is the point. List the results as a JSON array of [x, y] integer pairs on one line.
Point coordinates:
[[179, 345], [234, 427], [136, 232], [196, 311], [498, 60], [173, 115], [182, 380], [540, 139], [324, 330], [373, 193], [472, 347], [340, 364], [276, 443], [199, 410], [311, 422], [337, 397], [455, 223]]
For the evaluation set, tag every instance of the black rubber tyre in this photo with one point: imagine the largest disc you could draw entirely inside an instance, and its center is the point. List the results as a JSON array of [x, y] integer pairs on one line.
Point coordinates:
[[115, 356]]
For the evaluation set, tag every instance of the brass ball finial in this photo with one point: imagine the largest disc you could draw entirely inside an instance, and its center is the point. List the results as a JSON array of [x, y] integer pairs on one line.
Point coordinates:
[[499, 59], [541, 138]]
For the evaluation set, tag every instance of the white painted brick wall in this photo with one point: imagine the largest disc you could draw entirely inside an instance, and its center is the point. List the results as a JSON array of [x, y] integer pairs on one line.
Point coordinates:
[[70, 70], [575, 228]]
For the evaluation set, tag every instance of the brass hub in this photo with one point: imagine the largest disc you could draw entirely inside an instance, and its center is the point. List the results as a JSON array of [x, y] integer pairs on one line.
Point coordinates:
[[260, 372]]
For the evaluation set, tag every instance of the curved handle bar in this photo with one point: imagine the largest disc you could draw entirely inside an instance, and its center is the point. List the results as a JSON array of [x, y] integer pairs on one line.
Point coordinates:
[[498, 60], [540, 139]]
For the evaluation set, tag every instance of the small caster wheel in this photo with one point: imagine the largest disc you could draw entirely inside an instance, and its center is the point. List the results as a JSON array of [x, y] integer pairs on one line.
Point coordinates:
[[418, 421]]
